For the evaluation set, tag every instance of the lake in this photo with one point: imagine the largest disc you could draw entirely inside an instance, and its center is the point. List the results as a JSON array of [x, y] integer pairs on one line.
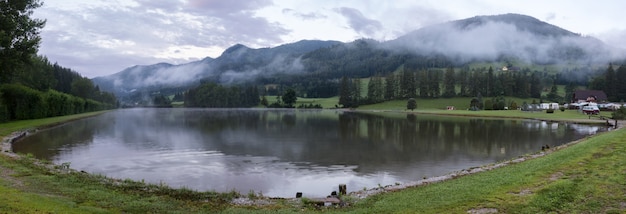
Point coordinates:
[[281, 152]]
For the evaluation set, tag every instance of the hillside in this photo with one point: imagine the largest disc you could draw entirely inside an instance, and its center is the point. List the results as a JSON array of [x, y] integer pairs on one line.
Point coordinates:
[[234, 65], [501, 38]]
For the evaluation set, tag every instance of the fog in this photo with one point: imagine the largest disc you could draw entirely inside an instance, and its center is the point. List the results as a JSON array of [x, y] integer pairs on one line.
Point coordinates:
[[490, 40], [477, 39]]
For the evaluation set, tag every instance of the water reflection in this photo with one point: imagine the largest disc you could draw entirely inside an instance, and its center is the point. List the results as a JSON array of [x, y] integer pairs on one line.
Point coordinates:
[[280, 152]]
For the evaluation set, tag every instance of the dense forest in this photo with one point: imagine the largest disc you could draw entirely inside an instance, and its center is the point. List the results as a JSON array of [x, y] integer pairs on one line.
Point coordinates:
[[212, 95], [612, 83], [32, 87]]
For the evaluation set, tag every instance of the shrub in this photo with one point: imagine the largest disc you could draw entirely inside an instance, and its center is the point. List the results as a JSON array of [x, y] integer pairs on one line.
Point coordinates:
[[619, 114], [488, 105]]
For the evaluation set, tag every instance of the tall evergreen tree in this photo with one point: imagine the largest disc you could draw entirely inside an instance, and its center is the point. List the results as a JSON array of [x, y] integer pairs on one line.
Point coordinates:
[[449, 83], [490, 83], [535, 85], [391, 85], [289, 98], [356, 92], [610, 86], [463, 79], [620, 87], [407, 84], [375, 90], [434, 90], [423, 83]]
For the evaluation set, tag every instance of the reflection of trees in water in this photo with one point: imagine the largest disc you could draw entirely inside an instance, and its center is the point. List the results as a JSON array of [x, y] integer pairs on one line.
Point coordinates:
[[48, 143], [314, 137], [423, 138]]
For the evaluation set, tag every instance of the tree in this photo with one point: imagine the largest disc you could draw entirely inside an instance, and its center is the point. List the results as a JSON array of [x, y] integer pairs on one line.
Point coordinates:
[[407, 84], [463, 78], [390, 86], [375, 90], [449, 83], [535, 85], [610, 83], [490, 84], [19, 35], [83, 88], [356, 91], [570, 88], [289, 98], [345, 92], [553, 96], [411, 104]]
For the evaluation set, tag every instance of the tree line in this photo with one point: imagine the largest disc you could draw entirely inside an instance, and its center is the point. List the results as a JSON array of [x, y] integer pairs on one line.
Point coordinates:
[[213, 95], [612, 82], [436, 83]]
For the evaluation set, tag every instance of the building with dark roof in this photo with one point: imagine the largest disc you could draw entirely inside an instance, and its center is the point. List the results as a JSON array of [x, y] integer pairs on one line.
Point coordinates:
[[595, 96]]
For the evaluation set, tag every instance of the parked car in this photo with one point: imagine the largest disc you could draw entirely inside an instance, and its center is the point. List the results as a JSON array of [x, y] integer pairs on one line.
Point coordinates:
[[591, 110]]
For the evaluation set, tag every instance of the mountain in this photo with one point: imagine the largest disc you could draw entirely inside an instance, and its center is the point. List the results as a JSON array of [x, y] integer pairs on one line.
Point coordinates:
[[499, 38], [235, 62], [510, 35]]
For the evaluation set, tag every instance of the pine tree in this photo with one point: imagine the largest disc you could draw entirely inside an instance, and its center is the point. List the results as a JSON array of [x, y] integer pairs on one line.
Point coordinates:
[[391, 86], [449, 83]]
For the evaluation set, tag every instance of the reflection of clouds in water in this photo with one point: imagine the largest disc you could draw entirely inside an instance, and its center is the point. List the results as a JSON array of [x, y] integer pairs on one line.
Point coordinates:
[[586, 130], [279, 153]]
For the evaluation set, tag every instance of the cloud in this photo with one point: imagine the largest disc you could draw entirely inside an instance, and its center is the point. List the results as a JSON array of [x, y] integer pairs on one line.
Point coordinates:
[[360, 23], [615, 38], [221, 8], [490, 40], [304, 16], [550, 17], [146, 31]]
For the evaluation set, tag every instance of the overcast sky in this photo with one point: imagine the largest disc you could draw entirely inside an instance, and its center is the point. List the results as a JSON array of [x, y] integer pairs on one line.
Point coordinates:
[[102, 37]]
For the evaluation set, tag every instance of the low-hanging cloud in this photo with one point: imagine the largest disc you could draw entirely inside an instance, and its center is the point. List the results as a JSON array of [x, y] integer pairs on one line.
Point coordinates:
[[491, 40], [303, 16], [359, 23]]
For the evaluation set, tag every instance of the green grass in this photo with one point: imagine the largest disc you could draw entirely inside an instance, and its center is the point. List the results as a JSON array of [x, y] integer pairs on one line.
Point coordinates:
[[42, 190], [439, 103], [325, 102], [13, 126], [585, 178]]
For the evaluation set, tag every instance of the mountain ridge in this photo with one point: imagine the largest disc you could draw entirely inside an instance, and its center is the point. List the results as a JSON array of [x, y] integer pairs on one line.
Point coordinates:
[[479, 38]]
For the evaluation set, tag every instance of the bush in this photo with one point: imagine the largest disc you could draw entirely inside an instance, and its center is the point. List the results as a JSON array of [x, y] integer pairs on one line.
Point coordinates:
[[23, 103], [488, 105], [562, 108], [513, 105], [549, 111], [619, 114]]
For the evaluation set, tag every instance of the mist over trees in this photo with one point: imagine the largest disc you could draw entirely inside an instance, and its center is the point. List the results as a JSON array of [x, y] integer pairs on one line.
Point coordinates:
[[611, 82]]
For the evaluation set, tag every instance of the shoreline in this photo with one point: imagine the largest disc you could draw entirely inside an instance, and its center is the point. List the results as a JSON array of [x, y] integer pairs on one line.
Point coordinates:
[[362, 194]]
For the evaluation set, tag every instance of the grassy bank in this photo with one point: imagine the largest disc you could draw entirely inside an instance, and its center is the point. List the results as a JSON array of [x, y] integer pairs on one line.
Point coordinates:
[[28, 185], [587, 177], [13, 126]]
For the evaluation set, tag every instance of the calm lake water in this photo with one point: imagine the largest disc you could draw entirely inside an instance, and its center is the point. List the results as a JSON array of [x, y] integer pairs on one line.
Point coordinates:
[[281, 152]]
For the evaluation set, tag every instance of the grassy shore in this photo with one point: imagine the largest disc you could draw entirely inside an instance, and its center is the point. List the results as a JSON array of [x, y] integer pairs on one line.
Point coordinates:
[[587, 177]]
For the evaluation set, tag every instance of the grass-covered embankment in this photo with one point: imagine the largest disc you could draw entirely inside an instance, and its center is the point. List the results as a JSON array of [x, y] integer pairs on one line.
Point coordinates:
[[587, 177], [28, 185]]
